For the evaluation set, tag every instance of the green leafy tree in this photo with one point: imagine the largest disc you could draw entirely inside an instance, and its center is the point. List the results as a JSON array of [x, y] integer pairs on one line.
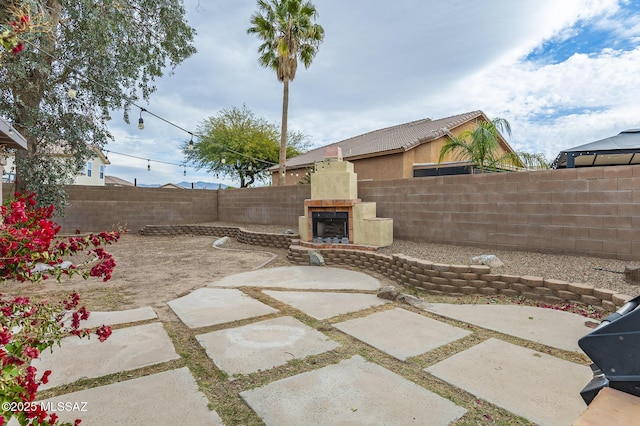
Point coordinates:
[[109, 51], [288, 34], [238, 144], [481, 146]]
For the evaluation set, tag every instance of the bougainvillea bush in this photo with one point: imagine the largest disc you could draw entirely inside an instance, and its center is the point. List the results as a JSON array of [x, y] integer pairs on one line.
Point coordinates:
[[30, 250]]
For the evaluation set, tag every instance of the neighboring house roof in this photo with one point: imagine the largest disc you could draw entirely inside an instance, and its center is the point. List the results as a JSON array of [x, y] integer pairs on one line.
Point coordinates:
[[172, 186], [101, 155], [402, 137], [116, 181], [10, 137], [622, 149], [64, 151]]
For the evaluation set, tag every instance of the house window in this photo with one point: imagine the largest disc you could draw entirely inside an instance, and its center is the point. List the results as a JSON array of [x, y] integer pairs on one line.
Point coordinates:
[[101, 171], [89, 169]]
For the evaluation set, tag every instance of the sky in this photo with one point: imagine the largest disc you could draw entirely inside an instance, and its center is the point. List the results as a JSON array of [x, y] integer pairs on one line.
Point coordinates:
[[563, 73]]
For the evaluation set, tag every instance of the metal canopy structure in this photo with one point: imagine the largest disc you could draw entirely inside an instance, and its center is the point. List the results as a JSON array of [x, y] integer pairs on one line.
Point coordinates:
[[9, 137], [622, 149]]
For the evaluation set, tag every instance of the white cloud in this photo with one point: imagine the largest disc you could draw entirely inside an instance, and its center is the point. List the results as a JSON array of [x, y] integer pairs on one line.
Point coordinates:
[[383, 64]]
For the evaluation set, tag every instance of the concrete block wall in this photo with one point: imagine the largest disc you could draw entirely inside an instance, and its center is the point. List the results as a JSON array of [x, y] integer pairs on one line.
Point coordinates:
[[592, 211], [93, 208], [588, 211], [273, 205]]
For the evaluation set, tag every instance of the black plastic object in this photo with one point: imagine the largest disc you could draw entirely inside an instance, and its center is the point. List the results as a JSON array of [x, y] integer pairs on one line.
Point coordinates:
[[614, 348]]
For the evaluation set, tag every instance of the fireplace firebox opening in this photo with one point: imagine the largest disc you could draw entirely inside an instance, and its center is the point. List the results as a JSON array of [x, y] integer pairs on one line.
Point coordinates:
[[330, 227]]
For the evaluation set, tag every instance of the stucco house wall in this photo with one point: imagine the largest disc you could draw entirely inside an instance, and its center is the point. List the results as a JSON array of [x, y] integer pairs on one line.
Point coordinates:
[[92, 174]]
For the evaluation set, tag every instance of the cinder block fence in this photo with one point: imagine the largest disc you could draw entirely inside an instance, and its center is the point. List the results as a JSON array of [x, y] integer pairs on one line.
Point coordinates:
[[592, 211]]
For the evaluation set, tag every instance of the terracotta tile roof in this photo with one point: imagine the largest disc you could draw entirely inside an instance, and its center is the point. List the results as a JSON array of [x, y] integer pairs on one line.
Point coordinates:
[[402, 137]]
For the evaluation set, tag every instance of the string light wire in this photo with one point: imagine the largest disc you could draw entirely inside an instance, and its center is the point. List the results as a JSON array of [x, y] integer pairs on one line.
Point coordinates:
[[142, 109]]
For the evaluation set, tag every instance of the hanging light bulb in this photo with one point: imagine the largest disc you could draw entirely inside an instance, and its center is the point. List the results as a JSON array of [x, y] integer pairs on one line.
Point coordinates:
[[148, 165], [106, 155], [184, 173], [191, 144], [250, 167], [140, 120], [224, 159], [73, 90]]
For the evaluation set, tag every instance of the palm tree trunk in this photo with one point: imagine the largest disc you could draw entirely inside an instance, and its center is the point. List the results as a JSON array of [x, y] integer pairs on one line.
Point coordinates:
[[283, 134]]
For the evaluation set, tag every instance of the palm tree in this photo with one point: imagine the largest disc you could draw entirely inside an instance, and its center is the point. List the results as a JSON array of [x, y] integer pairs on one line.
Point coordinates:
[[481, 145], [534, 161], [288, 35]]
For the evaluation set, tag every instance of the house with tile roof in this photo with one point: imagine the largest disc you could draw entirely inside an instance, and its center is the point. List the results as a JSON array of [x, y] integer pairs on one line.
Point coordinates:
[[398, 152]]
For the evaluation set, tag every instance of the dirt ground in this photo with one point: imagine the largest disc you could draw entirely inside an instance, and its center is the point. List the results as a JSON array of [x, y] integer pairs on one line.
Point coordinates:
[[153, 270]]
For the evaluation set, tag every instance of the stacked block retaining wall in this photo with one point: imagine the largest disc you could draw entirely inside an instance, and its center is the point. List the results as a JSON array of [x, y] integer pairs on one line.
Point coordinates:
[[435, 278], [240, 234], [459, 280]]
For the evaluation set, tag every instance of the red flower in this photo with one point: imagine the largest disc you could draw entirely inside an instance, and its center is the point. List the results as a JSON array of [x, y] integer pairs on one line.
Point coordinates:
[[30, 352], [103, 332], [45, 377], [5, 336]]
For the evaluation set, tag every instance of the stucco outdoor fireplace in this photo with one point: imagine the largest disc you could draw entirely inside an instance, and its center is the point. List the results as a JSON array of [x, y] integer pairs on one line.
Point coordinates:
[[335, 215]]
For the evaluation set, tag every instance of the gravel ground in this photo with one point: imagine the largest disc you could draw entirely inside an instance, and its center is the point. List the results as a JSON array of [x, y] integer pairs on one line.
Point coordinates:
[[601, 273]]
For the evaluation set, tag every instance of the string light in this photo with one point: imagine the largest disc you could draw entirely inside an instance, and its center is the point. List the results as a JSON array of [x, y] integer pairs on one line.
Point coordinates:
[[148, 165], [224, 159], [140, 120], [191, 142], [73, 90]]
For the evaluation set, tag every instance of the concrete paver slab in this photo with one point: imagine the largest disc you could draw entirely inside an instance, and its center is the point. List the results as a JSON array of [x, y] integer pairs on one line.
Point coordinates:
[[323, 305], [400, 333], [168, 398], [126, 349], [97, 319], [553, 328], [301, 277], [537, 386], [263, 345], [210, 306], [352, 392]]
